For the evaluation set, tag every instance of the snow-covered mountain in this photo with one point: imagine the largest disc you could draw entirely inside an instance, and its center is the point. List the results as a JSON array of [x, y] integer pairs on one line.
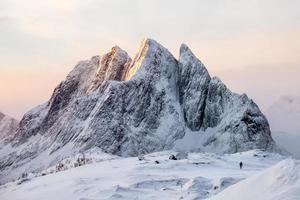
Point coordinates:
[[131, 107], [196, 176], [284, 118], [8, 127]]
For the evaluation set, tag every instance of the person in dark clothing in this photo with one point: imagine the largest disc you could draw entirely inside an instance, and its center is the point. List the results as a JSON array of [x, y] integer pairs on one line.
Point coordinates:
[[241, 165]]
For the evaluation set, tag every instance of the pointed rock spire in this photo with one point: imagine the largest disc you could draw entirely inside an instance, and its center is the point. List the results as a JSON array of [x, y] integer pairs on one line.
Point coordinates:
[[151, 59], [113, 66], [194, 80]]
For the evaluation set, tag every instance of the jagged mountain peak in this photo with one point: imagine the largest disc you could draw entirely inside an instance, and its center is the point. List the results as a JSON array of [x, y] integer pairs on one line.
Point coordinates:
[[148, 60], [8, 127], [185, 50], [149, 44], [4, 116], [194, 81], [112, 66], [186, 55], [131, 107]]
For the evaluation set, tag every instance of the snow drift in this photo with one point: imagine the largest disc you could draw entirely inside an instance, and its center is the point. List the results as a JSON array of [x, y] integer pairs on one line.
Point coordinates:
[[198, 176], [280, 182]]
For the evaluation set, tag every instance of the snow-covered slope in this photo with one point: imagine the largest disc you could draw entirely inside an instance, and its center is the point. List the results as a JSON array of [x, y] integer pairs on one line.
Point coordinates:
[[130, 107], [280, 182], [198, 176], [8, 126]]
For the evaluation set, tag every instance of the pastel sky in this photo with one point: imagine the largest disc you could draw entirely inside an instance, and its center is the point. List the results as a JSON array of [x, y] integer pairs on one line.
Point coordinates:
[[253, 46]]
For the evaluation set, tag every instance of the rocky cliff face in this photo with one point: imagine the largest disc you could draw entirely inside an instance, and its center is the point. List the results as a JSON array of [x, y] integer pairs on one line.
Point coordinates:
[[130, 107]]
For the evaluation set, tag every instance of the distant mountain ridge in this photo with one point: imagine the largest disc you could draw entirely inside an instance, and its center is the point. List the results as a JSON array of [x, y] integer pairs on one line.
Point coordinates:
[[284, 114], [284, 118], [130, 107], [8, 127]]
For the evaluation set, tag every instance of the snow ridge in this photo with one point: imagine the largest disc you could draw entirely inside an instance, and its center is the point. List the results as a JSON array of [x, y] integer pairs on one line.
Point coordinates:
[[281, 181]]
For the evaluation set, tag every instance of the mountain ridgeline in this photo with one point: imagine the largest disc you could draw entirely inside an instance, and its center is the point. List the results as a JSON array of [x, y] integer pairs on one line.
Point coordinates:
[[8, 125], [135, 106]]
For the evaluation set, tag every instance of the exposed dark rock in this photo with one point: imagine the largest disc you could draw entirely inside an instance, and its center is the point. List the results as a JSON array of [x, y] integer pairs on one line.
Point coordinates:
[[193, 87], [172, 157]]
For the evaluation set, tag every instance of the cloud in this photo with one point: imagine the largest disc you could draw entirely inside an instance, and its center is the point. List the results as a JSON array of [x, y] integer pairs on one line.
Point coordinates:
[[264, 83], [136, 18], [48, 19], [5, 19]]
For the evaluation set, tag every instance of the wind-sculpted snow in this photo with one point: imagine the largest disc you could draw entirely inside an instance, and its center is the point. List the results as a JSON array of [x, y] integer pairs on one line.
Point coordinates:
[[281, 181], [131, 107], [198, 176]]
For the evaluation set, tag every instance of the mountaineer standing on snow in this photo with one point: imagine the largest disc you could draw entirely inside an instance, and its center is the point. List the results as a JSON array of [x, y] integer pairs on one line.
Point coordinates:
[[241, 165]]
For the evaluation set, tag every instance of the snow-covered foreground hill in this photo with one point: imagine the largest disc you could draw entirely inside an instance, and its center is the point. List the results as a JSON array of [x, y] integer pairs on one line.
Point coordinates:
[[199, 176], [280, 182]]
